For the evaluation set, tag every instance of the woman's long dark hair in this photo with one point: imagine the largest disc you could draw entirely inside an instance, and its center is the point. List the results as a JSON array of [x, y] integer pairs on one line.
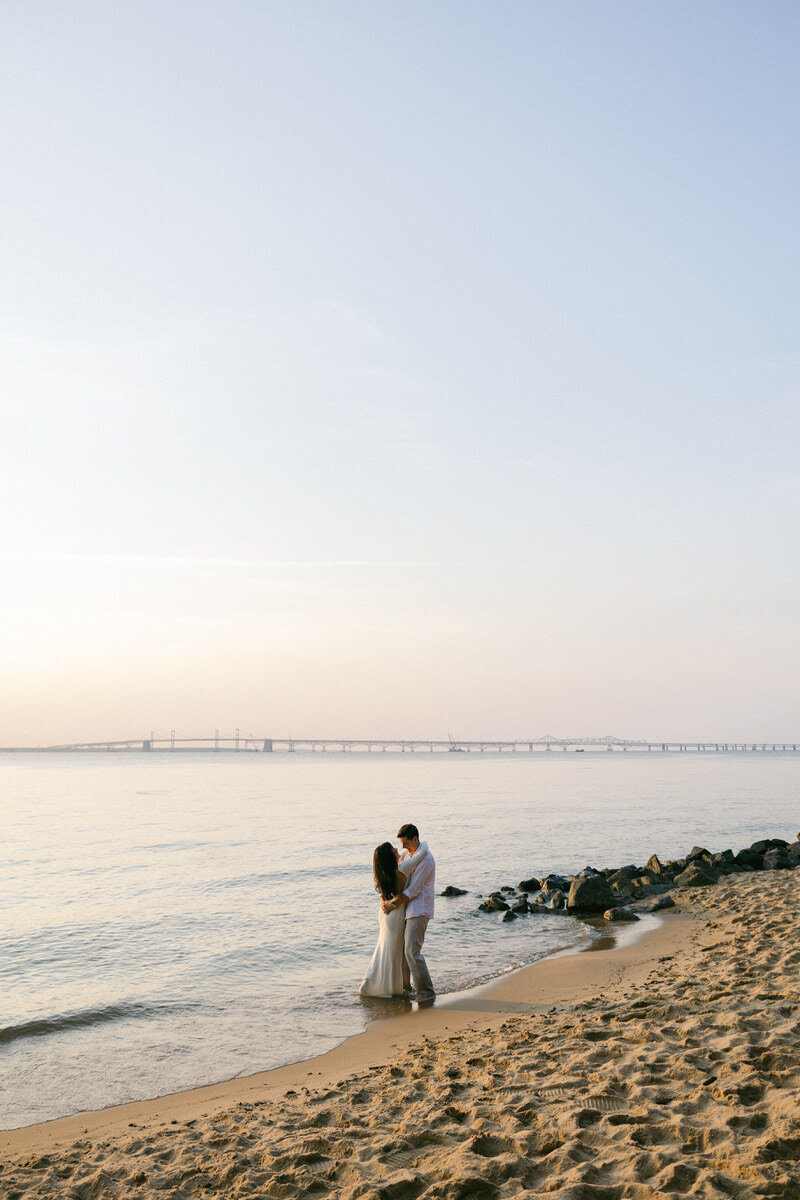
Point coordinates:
[[384, 868]]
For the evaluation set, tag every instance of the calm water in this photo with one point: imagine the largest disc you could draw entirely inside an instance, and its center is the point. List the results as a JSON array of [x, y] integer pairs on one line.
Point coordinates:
[[175, 919]]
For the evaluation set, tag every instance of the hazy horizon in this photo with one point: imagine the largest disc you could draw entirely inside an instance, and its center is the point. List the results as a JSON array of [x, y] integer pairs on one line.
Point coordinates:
[[236, 739], [396, 370]]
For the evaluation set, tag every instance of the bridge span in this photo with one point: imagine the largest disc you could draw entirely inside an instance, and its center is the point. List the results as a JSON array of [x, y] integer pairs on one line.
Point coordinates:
[[247, 743]]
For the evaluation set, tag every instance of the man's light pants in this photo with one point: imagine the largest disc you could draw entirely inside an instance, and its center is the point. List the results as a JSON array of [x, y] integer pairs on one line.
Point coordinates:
[[420, 978]]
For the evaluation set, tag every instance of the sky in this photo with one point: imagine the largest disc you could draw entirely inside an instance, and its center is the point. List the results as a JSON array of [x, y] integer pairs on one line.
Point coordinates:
[[381, 369]]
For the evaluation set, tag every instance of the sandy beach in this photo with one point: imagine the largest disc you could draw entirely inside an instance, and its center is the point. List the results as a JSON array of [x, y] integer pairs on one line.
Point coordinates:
[[666, 1067]]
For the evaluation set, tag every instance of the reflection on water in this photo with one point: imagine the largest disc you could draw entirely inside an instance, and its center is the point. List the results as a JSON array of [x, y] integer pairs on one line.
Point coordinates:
[[378, 1009], [605, 942]]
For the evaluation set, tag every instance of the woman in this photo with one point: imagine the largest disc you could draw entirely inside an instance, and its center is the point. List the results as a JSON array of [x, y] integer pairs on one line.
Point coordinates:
[[387, 974]]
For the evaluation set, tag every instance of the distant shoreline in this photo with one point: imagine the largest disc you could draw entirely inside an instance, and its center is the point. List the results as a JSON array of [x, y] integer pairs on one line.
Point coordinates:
[[424, 748]]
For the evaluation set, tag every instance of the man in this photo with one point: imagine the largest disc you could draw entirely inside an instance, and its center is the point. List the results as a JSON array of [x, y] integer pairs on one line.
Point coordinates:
[[418, 899]]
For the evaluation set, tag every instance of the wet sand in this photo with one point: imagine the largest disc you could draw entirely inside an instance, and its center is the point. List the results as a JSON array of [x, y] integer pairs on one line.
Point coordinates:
[[666, 1067]]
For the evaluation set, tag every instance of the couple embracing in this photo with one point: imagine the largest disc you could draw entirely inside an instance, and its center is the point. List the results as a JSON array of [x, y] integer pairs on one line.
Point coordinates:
[[405, 880]]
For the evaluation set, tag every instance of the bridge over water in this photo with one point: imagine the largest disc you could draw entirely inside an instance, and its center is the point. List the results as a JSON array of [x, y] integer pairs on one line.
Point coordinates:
[[240, 743]]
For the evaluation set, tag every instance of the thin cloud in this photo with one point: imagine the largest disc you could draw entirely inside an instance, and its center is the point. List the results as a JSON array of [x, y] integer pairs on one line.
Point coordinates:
[[222, 564]]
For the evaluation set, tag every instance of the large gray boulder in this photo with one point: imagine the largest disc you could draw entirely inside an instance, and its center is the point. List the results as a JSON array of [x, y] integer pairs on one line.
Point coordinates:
[[651, 889], [555, 883], [725, 863], [530, 885], [674, 867], [793, 853], [769, 844], [697, 874], [750, 858], [620, 914], [590, 894], [777, 860], [648, 875], [621, 880], [651, 906]]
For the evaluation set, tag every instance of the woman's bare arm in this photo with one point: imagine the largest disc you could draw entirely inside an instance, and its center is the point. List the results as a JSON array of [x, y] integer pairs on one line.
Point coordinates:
[[409, 865]]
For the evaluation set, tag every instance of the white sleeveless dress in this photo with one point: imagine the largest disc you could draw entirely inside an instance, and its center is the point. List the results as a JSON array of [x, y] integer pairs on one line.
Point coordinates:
[[385, 974], [384, 978]]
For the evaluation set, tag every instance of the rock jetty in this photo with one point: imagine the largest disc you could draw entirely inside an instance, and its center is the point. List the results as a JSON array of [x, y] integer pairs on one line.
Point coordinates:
[[622, 893]]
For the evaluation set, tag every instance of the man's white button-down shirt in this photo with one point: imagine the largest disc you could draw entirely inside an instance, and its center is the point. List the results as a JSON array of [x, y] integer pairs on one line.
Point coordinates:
[[420, 888]]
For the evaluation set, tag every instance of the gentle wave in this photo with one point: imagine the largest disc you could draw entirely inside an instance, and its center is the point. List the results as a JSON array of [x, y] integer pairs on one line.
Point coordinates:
[[297, 875], [44, 1026]]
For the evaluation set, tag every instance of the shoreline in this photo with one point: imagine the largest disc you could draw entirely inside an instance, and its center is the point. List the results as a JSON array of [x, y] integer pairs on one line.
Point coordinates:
[[665, 1067], [485, 1004], [380, 1010]]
